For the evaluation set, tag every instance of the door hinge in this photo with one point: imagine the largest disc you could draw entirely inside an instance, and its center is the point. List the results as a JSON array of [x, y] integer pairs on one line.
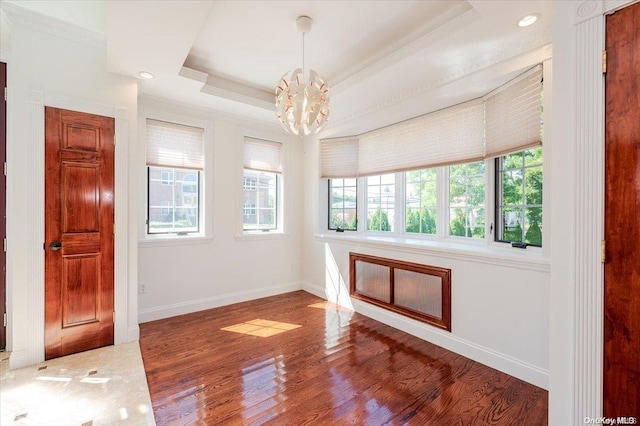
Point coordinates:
[[4, 243], [603, 251], [5, 93], [5, 168], [604, 61], [114, 228], [114, 317], [114, 140], [4, 320]]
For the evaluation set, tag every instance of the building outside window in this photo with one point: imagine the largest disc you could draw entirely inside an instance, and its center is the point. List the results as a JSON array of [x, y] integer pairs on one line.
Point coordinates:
[[261, 184]]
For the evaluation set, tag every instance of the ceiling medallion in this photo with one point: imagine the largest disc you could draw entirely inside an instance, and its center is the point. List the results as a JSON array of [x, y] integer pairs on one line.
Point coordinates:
[[302, 107]]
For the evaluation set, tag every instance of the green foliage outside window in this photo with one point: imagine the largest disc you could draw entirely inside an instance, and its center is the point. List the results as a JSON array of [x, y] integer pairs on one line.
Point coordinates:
[[520, 197], [420, 201], [379, 221], [466, 200], [343, 204]]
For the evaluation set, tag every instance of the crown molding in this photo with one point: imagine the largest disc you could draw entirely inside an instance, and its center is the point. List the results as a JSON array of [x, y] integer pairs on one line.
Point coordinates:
[[456, 19], [528, 53], [146, 102], [34, 21]]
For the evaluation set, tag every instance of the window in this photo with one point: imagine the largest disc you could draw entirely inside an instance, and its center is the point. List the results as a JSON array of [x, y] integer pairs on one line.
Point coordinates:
[[466, 200], [343, 205], [249, 184], [420, 199], [248, 209], [261, 185], [175, 160], [380, 202], [261, 202], [166, 177], [427, 176], [519, 197]]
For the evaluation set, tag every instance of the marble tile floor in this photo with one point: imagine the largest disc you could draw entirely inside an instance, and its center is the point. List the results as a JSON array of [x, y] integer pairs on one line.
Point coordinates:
[[105, 386]]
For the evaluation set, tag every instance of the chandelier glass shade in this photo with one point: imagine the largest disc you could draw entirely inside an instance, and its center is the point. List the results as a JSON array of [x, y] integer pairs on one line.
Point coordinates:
[[302, 106]]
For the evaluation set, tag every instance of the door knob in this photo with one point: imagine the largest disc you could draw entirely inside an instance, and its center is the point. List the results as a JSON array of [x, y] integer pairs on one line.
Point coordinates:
[[55, 246]]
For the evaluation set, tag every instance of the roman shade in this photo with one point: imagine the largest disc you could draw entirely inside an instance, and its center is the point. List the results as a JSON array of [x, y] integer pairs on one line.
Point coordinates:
[[339, 157], [449, 136], [261, 155], [174, 145], [514, 115]]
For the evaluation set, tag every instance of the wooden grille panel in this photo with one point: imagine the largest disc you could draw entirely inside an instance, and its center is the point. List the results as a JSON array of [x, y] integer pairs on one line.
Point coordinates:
[[422, 292]]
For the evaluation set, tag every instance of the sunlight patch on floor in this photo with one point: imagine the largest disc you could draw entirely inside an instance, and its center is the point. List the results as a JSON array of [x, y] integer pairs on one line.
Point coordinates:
[[329, 306], [261, 328]]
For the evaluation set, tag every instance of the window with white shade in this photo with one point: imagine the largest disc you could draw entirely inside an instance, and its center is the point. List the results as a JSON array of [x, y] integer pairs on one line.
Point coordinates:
[[175, 165], [467, 174], [261, 183]]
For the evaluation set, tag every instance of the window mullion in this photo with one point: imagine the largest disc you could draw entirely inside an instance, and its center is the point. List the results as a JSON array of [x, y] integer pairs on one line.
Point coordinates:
[[492, 181], [442, 185], [398, 205]]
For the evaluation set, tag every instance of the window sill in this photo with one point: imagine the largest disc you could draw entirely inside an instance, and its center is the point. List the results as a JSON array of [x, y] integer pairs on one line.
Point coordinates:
[[259, 236], [174, 240], [479, 253]]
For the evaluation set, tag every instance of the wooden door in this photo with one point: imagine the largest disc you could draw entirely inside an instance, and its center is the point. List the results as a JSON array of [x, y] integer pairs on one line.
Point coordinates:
[[79, 228], [622, 215], [3, 207]]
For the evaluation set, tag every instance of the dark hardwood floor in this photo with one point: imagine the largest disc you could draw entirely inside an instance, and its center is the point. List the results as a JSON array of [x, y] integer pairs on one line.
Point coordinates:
[[337, 367]]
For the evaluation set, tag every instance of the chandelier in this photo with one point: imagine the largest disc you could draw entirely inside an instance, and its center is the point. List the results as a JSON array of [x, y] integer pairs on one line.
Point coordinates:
[[302, 107]]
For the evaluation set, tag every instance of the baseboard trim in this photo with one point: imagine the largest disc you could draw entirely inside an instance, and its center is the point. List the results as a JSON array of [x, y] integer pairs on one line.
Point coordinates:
[[167, 311], [133, 334], [23, 358], [514, 367]]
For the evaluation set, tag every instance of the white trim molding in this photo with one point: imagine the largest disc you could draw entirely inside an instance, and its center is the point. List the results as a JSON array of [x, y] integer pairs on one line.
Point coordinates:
[[589, 157], [172, 310]]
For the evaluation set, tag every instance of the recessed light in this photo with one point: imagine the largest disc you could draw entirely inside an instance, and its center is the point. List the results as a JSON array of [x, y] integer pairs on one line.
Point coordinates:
[[528, 20], [146, 75]]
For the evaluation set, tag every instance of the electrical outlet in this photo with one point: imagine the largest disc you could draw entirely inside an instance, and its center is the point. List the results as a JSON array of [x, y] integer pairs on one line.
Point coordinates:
[[142, 288], [293, 267]]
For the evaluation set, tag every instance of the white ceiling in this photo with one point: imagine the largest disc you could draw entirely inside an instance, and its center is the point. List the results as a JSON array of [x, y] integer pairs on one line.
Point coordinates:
[[385, 61]]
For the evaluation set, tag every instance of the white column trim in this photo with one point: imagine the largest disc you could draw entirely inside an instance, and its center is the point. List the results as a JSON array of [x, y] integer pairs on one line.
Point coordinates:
[[589, 199], [35, 239], [589, 36]]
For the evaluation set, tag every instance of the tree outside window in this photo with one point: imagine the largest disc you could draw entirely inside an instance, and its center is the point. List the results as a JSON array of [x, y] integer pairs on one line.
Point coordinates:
[[420, 201], [519, 197], [466, 200], [380, 202]]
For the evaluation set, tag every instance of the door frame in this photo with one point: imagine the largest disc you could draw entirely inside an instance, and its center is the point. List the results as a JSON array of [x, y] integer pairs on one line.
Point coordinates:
[[125, 296], [3, 207]]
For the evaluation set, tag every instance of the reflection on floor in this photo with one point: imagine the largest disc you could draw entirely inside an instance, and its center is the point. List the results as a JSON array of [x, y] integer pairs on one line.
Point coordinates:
[[105, 386]]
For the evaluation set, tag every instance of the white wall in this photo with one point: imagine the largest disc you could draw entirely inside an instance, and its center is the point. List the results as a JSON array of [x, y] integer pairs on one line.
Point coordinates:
[[187, 275], [500, 306], [63, 66]]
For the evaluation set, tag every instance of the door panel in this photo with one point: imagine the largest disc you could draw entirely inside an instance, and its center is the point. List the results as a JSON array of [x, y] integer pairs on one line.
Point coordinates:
[[81, 198], [622, 215], [79, 232]]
